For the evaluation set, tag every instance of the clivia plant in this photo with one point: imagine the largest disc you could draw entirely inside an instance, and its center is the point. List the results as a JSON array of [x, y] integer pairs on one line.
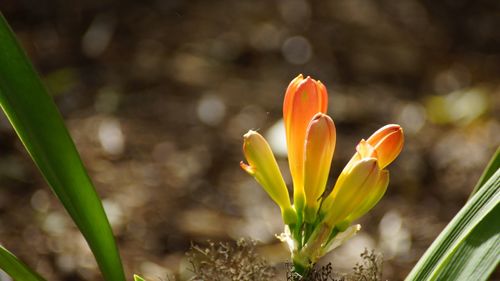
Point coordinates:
[[467, 249], [318, 223]]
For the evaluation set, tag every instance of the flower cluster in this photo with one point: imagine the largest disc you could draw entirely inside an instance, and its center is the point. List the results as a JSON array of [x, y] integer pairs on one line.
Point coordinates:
[[316, 223]]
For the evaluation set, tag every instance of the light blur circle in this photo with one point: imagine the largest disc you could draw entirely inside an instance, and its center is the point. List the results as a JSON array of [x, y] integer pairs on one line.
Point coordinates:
[[297, 50]]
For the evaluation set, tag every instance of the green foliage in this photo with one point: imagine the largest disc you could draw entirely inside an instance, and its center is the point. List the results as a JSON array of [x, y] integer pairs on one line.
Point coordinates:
[[16, 268], [138, 278], [491, 168], [41, 129], [467, 249]]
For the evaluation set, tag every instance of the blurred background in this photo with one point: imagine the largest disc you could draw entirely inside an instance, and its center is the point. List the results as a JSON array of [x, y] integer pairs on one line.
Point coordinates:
[[157, 95]]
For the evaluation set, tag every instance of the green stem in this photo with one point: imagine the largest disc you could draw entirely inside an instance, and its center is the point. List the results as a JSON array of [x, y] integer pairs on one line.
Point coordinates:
[[297, 232], [309, 228], [300, 269], [334, 233]]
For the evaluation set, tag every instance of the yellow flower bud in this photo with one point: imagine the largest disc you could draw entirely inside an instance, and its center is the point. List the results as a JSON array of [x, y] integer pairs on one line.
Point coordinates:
[[354, 184], [372, 199], [263, 167]]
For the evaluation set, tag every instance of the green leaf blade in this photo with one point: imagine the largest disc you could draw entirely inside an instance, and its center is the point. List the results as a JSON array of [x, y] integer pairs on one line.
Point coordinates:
[[467, 238], [15, 268], [480, 250], [39, 125], [491, 168]]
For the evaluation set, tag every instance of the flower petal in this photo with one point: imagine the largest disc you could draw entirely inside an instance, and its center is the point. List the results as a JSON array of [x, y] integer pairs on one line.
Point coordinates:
[[292, 88]]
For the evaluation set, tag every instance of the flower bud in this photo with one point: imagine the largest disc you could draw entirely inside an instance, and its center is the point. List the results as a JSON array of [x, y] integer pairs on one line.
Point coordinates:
[[353, 186], [263, 167], [382, 147], [372, 199], [320, 145], [388, 142]]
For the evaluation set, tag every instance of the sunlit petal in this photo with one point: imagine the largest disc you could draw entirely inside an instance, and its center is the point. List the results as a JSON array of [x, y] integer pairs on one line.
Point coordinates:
[[320, 145], [263, 167], [388, 142], [350, 190], [372, 199]]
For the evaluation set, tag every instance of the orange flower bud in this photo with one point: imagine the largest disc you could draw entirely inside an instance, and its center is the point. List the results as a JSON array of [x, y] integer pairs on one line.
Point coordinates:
[[383, 147], [320, 145], [303, 99], [388, 142]]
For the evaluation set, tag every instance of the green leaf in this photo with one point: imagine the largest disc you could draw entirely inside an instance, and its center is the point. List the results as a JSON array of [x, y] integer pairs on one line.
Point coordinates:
[[39, 125], [16, 268], [138, 278], [491, 168], [478, 255], [467, 249]]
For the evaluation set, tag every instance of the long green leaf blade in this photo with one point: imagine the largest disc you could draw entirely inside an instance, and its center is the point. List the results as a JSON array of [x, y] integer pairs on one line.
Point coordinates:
[[469, 245], [480, 252], [491, 168], [16, 268], [39, 125]]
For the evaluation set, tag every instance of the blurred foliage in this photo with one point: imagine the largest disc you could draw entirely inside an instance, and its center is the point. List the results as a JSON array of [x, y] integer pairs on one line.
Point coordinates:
[[15, 268], [461, 107], [138, 278]]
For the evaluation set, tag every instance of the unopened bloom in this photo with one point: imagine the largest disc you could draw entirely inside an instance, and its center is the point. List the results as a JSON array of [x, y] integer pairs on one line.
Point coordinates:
[[387, 142], [319, 148], [364, 180], [350, 190], [303, 99], [263, 167]]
